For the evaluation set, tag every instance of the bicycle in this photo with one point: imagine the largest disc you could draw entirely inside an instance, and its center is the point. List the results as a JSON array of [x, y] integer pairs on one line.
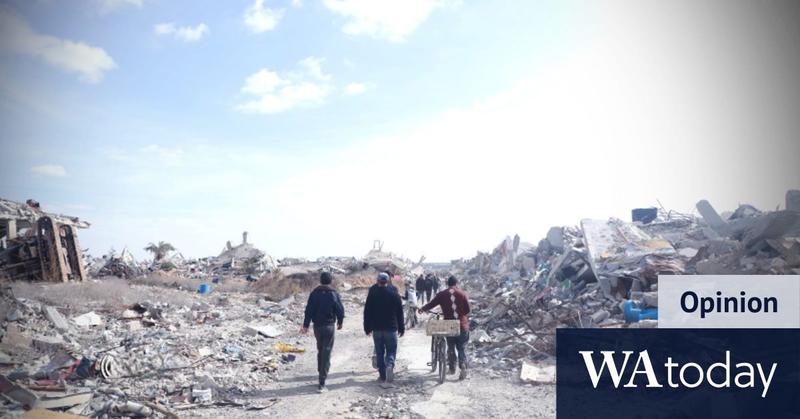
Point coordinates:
[[439, 330]]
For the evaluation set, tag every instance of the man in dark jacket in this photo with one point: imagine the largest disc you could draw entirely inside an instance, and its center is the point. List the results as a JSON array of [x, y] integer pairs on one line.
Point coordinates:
[[428, 287], [420, 286], [325, 309], [454, 303], [437, 284], [383, 320]]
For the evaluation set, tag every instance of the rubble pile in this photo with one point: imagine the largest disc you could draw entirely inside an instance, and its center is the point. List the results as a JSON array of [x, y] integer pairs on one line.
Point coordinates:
[[602, 273], [151, 358], [123, 265]]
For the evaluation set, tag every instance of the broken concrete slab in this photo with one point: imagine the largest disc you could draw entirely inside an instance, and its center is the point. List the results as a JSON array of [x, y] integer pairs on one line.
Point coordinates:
[[267, 331], [773, 225], [88, 319], [713, 219], [542, 374], [56, 318]]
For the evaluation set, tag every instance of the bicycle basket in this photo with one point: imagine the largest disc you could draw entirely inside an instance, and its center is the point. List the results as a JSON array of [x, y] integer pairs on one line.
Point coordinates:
[[443, 328]]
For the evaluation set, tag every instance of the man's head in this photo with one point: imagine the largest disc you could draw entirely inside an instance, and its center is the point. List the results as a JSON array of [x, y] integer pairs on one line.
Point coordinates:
[[325, 278], [452, 281], [383, 278]]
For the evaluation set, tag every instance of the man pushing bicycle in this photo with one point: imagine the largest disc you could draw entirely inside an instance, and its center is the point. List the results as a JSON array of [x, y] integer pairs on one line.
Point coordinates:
[[455, 306]]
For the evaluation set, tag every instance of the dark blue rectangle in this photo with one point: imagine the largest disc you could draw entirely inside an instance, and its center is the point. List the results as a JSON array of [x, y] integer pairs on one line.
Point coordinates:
[[577, 397]]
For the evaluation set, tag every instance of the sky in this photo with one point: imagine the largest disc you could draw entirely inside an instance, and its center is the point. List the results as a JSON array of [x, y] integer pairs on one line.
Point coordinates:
[[436, 126]]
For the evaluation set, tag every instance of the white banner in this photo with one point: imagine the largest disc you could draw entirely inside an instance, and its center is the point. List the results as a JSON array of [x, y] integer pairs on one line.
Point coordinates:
[[729, 301]]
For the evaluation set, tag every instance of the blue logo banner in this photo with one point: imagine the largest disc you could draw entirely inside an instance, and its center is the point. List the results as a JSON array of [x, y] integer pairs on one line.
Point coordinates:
[[678, 373]]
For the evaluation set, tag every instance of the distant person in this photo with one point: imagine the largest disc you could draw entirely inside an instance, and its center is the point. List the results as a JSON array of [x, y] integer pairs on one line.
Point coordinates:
[[324, 309], [437, 284], [454, 303], [383, 320], [390, 285], [410, 295], [420, 286], [428, 287]]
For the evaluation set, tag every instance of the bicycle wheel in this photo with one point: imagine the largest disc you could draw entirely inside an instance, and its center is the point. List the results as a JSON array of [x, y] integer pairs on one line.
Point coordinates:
[[442, 359], [433, 354]]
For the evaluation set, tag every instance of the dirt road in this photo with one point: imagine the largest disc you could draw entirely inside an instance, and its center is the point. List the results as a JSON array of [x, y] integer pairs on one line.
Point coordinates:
[[355, 393]]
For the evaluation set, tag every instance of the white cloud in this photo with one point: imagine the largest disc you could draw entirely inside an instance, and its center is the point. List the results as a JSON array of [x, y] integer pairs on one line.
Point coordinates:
[[184, 33], [54, 170], [87, 61], [164, 154], [304, 87], [297, 3], [355, 88], [260, 18], [392, 20]]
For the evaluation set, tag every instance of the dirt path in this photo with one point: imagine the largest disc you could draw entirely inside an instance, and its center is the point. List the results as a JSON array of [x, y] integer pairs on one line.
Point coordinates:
[[355, 393]]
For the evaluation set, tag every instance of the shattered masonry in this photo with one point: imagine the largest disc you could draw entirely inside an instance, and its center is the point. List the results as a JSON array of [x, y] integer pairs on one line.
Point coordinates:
[[585, 276]]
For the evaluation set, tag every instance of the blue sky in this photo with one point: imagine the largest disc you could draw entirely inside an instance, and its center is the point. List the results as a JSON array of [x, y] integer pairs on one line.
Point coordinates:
[[437, 126]]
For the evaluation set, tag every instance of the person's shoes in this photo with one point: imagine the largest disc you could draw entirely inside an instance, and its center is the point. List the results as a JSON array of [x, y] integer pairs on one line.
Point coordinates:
[[322, 389], [381, 379], [451, 370], [462, 374], [390, 374]]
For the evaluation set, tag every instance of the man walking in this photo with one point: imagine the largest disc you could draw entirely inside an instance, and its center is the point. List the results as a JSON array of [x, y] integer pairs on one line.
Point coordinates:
[[428, 287], [420, 286], [437, 284], [325, 309], [383, 320], [455, 305]]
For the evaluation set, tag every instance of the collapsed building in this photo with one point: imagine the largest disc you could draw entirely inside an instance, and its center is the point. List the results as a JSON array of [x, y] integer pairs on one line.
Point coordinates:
[[37, 245], [603, 273], [244, 258]]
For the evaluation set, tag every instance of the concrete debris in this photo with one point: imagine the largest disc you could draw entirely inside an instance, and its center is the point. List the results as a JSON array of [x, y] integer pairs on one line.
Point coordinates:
[[123, 265], [604, 273], [59, 322], [36, 245], [266, 331], [188, 352], [88, 319], [542, 373]]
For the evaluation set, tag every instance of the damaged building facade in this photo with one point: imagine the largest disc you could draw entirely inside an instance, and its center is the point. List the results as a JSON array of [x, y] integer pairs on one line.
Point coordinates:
[[36, 245]]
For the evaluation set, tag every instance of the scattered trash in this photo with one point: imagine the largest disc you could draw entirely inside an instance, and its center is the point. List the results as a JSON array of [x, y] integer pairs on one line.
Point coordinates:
[[285, 347]]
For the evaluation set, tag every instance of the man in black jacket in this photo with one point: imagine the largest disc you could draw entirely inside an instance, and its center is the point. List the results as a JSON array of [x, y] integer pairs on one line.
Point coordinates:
[[420, 286], [428, 287], [383, 320], [325, 309]]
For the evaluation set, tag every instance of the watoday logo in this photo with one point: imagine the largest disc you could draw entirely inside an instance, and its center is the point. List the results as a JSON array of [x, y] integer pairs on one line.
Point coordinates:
[[690, 375]]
